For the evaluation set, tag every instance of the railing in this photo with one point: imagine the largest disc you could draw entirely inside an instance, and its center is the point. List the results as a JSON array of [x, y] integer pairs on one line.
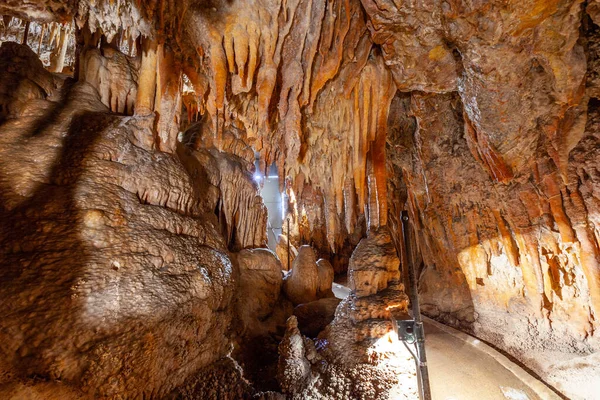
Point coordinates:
[[411, 332]]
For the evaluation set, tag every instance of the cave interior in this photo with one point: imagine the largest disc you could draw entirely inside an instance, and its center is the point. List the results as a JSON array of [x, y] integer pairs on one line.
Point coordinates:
[[202, 199]]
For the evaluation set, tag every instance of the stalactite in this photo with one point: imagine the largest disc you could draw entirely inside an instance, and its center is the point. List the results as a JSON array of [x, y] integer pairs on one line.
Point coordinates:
[[57, 59], [168, 100], [373, 203], [144, 103], [589, 252], [319, 51], [26, 32], [350, 205], [39, 49], [510, 247]]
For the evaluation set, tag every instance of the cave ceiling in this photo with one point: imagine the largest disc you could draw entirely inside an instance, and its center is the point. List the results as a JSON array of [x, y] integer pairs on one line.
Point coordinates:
[[308, 83]]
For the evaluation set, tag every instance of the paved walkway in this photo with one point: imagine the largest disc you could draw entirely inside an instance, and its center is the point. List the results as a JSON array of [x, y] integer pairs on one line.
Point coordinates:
[[460, 371]]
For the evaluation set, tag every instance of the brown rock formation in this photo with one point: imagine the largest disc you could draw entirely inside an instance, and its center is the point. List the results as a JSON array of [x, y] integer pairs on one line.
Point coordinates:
[[282, 252], [326, 275], [364, 317], [374, 264], [313, 317], [301, 284], [501, 260], [24, 80], [126, 177], [359, 338], [107, 252], [259, 288]]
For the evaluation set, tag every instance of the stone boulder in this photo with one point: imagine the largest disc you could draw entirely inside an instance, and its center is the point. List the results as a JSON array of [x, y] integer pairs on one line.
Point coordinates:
[[313, 317], [259, 288], [326, 275], [301, 284], [374, 263], [115, 279]]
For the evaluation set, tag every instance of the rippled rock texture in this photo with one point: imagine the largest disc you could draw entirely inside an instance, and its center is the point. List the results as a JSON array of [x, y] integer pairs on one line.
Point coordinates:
[[117, 279], [357, 355], [109, 263], [514, 262]]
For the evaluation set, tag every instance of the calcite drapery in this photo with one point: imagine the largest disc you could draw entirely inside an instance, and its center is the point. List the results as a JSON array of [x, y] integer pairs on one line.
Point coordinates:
[[327, 124]]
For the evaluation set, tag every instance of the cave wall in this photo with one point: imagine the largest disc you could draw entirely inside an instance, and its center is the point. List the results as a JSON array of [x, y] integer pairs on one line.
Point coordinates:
[[109, 261], [119, 277], [498, 176]]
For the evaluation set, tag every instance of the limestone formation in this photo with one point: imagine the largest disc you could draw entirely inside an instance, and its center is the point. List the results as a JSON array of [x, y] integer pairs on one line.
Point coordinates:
[[310, 369], [313, 317], [497, 255], [131, 137], [259, 290], [108, 240], [294, 365], [357, 355], [301, 284], [326, 275], [282, 252], [114, 75], [377, 296], [228, 189], [24, 80], [374, 264]]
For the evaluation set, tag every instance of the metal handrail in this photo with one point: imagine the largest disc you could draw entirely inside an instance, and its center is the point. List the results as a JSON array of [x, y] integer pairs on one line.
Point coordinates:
[[411, 331]]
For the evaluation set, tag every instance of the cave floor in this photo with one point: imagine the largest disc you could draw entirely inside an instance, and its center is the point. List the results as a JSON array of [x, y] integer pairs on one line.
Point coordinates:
[[460, 371]]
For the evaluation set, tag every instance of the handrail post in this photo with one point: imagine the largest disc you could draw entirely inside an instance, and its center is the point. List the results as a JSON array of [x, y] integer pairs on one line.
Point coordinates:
[[423, 373], [289, 238]]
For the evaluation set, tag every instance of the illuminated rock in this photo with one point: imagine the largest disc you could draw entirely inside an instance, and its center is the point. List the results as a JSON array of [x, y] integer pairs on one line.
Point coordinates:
[[301, 284], [373, 264], [118, 249], [326, 275], [282, 252]]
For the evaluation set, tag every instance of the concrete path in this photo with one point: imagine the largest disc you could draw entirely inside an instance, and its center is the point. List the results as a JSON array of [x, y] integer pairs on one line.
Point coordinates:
[[460, 370]]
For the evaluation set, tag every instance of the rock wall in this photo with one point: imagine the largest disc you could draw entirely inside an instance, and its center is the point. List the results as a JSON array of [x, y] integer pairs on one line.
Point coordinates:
[[109, 263], [491, 148], [514, 261]]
